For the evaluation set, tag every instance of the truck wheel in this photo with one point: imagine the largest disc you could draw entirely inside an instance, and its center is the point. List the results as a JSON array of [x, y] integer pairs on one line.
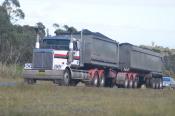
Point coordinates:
[[130, 83], [102, 81], [157, 83], [135, 84], [160, 84], [153, 84], [66, 78], [95, 80], [126, 83], [147, 82]]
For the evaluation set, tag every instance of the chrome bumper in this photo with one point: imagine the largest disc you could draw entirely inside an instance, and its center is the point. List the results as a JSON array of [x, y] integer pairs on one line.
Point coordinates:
[[43, 74]]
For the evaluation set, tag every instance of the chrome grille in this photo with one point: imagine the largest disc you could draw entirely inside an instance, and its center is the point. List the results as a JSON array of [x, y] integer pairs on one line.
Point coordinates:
[[42, 60]]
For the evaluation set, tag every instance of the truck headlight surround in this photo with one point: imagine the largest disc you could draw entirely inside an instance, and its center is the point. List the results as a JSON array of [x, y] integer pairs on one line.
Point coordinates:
[[28, 66]]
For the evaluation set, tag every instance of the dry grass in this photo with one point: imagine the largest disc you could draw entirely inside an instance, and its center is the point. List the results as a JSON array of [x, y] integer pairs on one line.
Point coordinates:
[[10, 71], [51, 100]]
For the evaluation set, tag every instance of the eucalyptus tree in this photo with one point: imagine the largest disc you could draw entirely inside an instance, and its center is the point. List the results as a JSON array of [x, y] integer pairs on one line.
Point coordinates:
[[13, 10]]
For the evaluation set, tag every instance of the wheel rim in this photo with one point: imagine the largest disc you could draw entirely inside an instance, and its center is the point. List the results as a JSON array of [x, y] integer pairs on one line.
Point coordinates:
[[102, 81], [161, 85], [135, 84], [153, 85], [66, 79], [126, 83], [130, 84], [95, 80]]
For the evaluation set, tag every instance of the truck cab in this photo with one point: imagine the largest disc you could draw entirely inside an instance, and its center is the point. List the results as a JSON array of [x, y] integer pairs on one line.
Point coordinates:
[[52, 58]]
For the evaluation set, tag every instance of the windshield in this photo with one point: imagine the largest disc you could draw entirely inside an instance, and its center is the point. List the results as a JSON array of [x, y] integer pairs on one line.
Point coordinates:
[[58, 44]]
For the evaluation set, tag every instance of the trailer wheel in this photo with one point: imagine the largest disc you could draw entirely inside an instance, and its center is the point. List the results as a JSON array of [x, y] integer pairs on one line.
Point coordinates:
[[153, 83], [67, 78], [130, 83], [160, 84], [135, 84], [126, 83], [157, 83], [102, 81], [147, 82], [95, 80]]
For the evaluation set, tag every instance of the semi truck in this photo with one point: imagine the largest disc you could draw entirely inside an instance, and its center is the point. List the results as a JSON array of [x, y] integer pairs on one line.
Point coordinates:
[[95, 60]]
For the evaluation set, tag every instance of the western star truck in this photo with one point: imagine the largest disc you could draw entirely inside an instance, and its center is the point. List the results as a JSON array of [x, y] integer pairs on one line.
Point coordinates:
[[93, 59]]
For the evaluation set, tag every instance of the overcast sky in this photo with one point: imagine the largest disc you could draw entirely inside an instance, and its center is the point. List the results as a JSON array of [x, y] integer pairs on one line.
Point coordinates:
[[134, 21]]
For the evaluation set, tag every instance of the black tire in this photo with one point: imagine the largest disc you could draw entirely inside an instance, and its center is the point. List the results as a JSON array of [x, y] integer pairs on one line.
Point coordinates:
[[102, 81], [67, 78], [126, 83], [147, 82], [95, 80], [157, 84], [153, 83], [135, 85], [130, 83], [160, 84]]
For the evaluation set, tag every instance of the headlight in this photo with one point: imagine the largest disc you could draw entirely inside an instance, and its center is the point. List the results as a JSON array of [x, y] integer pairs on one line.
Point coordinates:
[[28, 66]]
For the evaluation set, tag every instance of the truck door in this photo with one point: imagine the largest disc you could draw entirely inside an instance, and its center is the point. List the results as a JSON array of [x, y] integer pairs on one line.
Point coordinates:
[[76, 50]]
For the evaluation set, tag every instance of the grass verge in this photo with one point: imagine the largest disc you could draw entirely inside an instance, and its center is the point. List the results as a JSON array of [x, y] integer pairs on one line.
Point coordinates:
[[51, 100]]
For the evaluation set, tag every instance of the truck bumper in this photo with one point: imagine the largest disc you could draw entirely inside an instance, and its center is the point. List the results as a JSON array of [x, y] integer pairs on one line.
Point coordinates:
[[43, 74]]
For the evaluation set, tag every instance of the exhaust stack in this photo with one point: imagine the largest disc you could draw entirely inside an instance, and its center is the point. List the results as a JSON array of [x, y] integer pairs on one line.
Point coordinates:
[[37, 44]]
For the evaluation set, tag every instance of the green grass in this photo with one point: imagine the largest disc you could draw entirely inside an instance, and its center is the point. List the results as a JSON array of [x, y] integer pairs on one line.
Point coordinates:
[[51, 100]]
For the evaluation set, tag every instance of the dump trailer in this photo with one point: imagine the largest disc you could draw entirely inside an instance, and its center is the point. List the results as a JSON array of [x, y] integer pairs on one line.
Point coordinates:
[[139, 66], [65, 59]]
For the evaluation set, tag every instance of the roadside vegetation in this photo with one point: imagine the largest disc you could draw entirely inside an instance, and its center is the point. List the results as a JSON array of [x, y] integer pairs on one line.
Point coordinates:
[[10, 72], [49, 100], [16, 44]]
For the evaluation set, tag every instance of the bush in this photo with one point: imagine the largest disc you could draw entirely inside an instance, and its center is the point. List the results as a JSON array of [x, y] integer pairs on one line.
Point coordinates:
[[10, 71]]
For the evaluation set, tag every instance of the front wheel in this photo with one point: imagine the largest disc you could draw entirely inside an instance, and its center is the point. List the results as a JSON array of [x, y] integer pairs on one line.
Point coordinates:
[[67, 78]]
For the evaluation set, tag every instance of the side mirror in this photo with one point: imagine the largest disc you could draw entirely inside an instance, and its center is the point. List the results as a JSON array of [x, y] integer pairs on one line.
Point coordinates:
[[78, 45], [71, 53], [70, 56]]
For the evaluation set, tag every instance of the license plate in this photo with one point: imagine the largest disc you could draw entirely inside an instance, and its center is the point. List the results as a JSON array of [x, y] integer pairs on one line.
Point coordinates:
[[41, 73]]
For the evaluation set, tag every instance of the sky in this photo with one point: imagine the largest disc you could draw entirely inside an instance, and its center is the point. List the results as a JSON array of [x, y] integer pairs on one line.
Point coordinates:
[[139, 22]]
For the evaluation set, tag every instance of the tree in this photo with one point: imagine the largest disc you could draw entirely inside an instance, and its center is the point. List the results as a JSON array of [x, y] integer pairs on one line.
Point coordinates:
[[72, 30], [13, 10], [56, 26], [41, 29], [66, 29]]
